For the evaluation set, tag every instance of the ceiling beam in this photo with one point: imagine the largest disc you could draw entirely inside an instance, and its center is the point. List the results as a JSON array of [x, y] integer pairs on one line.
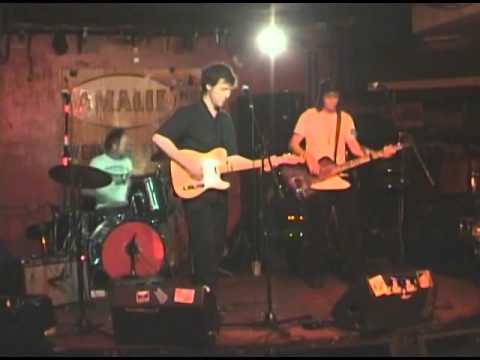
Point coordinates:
[[429, 17]]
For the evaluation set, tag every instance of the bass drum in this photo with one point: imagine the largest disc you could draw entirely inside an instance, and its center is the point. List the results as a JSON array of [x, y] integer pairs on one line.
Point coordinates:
[[110, 243]]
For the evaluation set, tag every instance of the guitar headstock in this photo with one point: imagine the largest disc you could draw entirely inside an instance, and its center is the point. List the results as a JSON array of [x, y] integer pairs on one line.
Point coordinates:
[[389, 150]]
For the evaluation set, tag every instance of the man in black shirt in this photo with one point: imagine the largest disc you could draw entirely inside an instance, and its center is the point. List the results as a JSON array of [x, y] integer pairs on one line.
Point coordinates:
[[203, 126]]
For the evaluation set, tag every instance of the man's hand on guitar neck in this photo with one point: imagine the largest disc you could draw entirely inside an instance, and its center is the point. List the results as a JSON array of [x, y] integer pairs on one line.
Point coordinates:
[[283, 159]]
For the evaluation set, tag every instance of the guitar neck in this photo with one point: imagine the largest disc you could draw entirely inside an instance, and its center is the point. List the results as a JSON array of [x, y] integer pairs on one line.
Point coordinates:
[[238, 163], [357, 162]]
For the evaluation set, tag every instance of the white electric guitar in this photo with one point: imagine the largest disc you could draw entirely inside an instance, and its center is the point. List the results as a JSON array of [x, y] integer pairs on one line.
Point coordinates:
[[214, 164]]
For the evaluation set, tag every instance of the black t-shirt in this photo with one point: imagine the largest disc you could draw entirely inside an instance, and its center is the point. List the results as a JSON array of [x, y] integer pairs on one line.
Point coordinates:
[[193, 127]]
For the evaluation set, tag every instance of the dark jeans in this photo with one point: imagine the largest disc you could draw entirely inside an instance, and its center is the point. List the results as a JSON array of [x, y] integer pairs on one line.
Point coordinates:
[[207, 224], [348, 239]]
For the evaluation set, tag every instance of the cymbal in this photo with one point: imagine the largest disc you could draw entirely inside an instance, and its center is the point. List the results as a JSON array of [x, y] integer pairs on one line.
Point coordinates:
[[159, 156], [85, 177]]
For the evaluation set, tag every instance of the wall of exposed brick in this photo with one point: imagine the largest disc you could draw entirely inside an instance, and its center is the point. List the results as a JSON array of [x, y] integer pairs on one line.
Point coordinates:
[[31, 119]]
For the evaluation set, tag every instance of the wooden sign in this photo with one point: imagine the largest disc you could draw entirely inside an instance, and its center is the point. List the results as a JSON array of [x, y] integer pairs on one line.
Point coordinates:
[[138, 103], [122, 100]]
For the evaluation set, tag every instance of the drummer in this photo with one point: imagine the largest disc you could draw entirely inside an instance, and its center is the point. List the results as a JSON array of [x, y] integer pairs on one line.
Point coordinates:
[[118, 164]]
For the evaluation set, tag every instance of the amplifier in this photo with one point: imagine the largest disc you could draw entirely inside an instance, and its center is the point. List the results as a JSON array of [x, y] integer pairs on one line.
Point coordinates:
[[55, 277], [163, 314], [23, 323]]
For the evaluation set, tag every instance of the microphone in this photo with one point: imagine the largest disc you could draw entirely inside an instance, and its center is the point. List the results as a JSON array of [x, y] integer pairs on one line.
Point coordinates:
[[131, 247], [66, 96], [248, 94]]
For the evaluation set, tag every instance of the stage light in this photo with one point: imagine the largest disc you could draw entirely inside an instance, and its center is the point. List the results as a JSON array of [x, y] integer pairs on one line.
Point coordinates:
[[272, 40]]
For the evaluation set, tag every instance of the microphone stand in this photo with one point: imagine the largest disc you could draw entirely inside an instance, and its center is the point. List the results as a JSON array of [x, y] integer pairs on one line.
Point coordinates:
[[132, 251], [84, 326], [403, 137], [270, 319], [420, 159]]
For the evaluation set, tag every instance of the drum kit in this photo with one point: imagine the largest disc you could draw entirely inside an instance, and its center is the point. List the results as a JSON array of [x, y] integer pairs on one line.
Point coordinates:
[[122, 240]]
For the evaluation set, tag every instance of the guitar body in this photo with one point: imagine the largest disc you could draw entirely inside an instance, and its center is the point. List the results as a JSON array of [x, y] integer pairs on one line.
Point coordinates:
[[304, 184], [299, 179], [188, 188], [328, 178]]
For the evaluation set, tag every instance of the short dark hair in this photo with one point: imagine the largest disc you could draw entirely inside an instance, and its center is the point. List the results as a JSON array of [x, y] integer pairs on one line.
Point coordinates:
[[212, 74], [113, 137], [326, 87]]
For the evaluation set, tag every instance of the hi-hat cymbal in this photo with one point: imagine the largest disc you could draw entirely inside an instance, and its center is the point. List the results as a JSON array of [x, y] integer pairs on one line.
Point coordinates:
[[84, 177]]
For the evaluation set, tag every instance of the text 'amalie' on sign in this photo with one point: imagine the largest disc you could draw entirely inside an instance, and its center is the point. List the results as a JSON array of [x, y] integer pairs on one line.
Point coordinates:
[[124, 100]]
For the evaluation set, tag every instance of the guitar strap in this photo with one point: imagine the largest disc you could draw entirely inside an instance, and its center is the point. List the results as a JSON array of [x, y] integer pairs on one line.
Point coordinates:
[[337, 135]]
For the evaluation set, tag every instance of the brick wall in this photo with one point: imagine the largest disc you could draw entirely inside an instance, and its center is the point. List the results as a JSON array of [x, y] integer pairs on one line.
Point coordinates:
[[31, 120]]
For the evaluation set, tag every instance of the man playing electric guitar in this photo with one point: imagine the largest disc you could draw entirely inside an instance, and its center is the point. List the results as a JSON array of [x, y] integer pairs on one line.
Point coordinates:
[[202, 127], [328, 132]]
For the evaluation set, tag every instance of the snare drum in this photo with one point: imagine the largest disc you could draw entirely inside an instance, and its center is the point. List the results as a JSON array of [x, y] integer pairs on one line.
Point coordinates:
[[148, 196], [109, 243]]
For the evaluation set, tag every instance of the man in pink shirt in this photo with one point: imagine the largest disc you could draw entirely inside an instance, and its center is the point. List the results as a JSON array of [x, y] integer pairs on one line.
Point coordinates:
[[329, 132]]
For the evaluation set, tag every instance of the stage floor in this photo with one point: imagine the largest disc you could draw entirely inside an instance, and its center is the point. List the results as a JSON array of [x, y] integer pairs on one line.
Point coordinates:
[[243, 300]]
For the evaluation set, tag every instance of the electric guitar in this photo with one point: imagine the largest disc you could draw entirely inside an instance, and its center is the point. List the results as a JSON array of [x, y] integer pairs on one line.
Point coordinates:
[[214, 164], [304, 184]]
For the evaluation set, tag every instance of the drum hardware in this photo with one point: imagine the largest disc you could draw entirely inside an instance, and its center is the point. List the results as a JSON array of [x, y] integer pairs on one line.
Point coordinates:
[[469, 232], [148, 196], [147, 208], [76, 178]]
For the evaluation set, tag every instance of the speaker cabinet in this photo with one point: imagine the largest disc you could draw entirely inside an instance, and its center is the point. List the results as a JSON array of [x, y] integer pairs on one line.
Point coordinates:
[[54, 277], [23, 322], [387, 302], [163, 314]]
